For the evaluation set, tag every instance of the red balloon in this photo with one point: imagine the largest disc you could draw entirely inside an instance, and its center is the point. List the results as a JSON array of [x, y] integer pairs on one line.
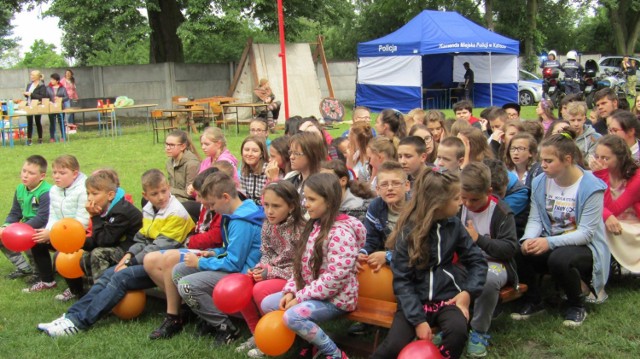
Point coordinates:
[[233, 292], [67, 235], [423, 349], [18, 237]]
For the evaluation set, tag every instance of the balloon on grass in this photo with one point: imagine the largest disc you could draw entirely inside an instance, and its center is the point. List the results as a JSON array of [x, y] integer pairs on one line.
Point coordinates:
[[67, 235], [376, 285], [272, 336], [420, 349], [18, 237], [233, 292], [68, 264], [131, 305]]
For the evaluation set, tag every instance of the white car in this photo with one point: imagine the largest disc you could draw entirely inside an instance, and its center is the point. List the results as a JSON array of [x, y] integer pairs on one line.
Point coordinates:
[[612, 64], [529, 88]]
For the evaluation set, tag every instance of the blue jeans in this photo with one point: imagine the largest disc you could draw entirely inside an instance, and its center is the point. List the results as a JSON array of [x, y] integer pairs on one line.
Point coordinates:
[[302, 318], [59, 118], [106, 293]]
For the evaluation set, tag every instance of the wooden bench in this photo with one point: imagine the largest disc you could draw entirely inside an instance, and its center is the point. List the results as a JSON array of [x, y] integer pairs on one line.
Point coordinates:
[[380, 313]]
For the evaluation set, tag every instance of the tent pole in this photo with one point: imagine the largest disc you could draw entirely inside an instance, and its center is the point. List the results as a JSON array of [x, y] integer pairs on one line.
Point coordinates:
[[284, 59], [490, 79]]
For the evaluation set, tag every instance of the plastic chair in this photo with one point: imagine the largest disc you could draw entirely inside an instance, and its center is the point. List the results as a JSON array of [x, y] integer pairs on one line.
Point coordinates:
[[161, 123], [215, 112]]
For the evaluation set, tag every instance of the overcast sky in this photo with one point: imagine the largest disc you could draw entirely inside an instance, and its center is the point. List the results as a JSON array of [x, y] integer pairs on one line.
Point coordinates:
[[31, 26]]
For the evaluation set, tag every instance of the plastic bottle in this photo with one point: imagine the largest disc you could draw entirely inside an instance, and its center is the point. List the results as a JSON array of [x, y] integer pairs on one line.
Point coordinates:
[[10, 108]]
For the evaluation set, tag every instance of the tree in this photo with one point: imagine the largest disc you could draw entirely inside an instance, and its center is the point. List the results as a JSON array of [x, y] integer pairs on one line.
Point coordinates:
[[6, 29], [625, 23], [42, 55], [98, 27]]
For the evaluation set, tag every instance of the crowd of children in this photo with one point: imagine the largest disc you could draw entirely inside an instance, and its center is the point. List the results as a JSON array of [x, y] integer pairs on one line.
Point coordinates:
[[457, 209]]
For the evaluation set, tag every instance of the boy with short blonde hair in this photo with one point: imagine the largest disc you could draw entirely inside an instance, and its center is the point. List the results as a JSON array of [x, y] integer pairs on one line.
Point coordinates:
[[165, 226]]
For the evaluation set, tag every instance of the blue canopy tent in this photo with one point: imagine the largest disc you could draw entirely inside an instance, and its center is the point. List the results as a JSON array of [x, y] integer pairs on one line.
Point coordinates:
[[428, 53]]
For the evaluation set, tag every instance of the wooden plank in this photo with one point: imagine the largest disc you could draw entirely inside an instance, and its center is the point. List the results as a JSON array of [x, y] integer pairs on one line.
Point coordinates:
[[374, 312], [236, 75], [325, 66]]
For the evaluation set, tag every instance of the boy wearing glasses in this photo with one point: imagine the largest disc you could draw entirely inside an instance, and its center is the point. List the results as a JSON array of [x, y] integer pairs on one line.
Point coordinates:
[[382, 216], [361, 114]]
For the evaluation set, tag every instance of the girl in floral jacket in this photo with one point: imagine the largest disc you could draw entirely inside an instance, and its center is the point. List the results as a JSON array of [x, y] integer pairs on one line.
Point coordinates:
[[281, 233], [324, 283]]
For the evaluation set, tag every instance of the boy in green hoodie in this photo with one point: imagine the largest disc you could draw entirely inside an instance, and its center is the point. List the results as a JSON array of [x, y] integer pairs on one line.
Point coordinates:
[[30, 206]]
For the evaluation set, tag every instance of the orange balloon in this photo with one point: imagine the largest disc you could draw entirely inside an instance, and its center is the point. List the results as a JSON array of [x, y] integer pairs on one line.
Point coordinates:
[[131, 306], [67, 235], [68, 265], [272, 335], [376, 285]]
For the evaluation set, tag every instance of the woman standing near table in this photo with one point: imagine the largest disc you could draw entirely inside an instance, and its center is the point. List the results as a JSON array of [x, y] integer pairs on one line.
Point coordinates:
[[35, 91], [69, 83]]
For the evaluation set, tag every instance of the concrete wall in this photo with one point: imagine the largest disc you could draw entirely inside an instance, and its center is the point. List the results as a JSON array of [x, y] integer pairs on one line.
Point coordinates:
[[158, 83], [153, 83], [343, 80]]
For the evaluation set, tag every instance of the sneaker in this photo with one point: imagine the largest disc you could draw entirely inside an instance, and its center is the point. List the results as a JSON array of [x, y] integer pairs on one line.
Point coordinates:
[[62, 328], [226, 333], [255, 353], [477, 344], [574, 316], [528, 310], [169, 327], [65, 296], [45, 326], [343, 355], [40, 286], [246, 346], [601, 298], [39, 141], [204, 328], [19, 273], [358, 329], [437, 339], [29, 143], [52, 140]]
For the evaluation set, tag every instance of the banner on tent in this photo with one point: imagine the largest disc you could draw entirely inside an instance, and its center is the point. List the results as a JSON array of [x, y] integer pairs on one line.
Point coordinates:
[[390, 71], [497, 69]]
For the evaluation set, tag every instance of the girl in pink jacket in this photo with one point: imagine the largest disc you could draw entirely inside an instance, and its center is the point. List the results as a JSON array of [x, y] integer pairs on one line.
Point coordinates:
[[324, 283]]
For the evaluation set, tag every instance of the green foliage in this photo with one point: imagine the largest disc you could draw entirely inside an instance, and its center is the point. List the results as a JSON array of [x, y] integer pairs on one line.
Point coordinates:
[[121, 54], [10, 58], [42, 55], [95, 28], [6, 29]]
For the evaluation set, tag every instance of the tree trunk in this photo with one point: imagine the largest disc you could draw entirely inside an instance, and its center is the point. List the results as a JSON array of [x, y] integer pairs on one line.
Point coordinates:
[[488, 15], [618, 29], [164, 19], [529, 45], [633, 36]]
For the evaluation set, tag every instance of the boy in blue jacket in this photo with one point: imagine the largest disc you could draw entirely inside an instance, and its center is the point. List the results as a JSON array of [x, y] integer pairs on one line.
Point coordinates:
[[196, 277]]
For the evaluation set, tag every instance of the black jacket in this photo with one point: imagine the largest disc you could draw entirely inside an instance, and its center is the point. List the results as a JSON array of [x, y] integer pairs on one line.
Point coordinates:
[[501, 244], [115, 229], [39, 92], [441, 280]]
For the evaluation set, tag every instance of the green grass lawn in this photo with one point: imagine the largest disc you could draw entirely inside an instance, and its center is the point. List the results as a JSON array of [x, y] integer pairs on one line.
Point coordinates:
[[610, 331]]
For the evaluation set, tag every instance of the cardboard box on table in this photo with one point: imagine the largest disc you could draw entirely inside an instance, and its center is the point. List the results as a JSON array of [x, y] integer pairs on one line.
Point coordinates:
[[55, 107]]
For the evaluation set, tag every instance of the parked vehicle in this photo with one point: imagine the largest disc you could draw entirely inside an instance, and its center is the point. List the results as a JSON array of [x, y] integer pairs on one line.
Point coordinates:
[[589, 81], [529, 88], [551, 85], [612, 64], [615, 80]]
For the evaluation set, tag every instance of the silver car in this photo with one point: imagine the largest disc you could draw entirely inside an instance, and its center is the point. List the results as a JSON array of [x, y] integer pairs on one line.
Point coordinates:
[[529, 88]]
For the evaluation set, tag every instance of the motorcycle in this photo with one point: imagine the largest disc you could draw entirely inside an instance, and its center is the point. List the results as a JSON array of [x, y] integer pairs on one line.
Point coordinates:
[[615, 80], [589, 82], [552, 88]]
